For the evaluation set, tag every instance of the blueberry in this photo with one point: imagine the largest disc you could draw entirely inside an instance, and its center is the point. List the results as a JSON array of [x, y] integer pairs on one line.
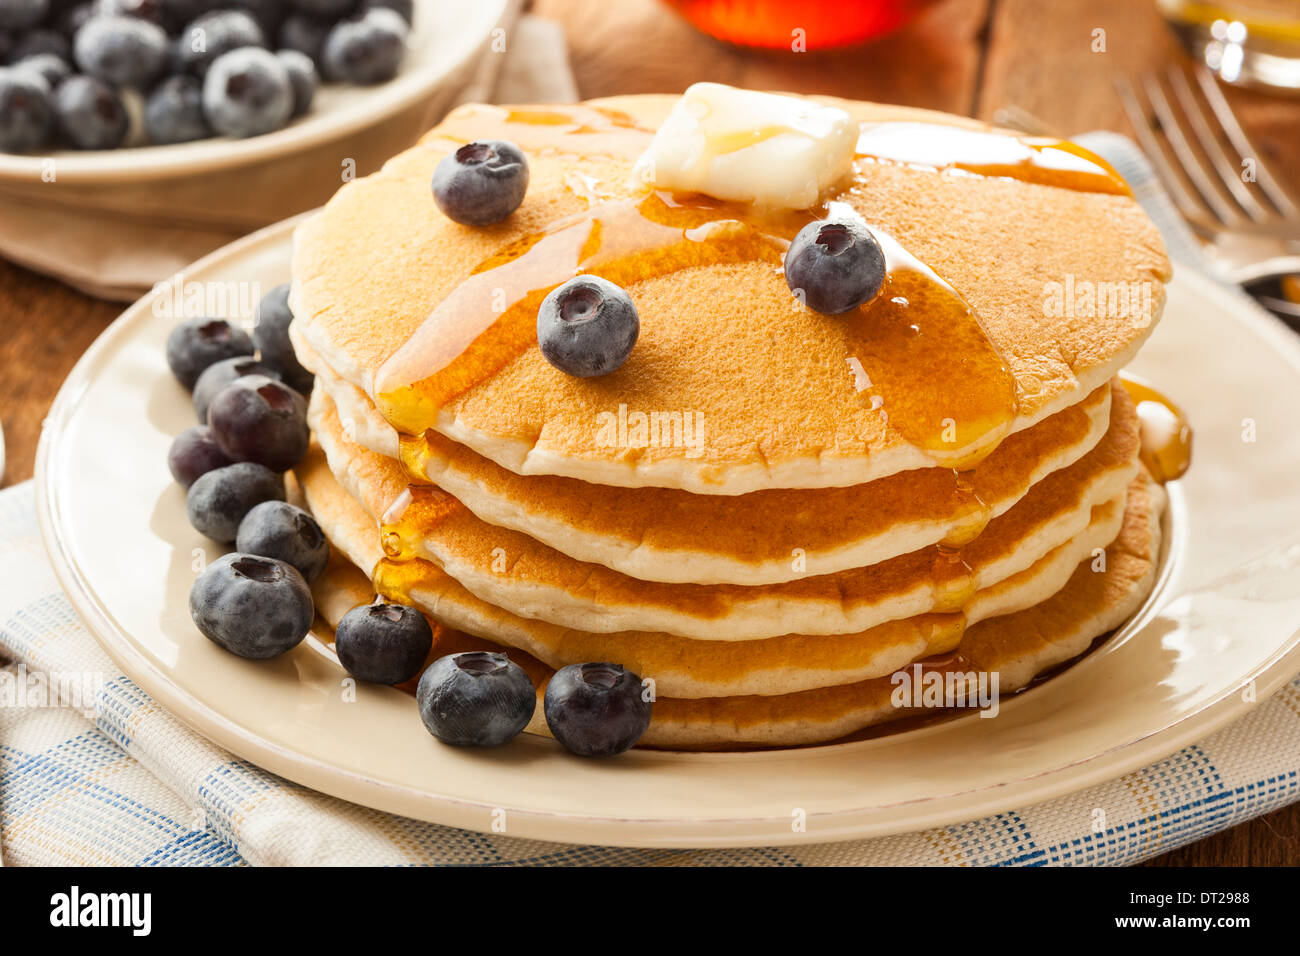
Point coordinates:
[[194, 453], [90, 113], [247, 92], [151, 10], [403, 8], [27, 116], [219, 499], [302, 77], [835, 265], [326, 9], [252, 606], [173, 113], [256, 418], [596, 710], [220, 374], [175, 14], [305, 34], [197, 343], [121, 51], [475, 699], [271, 336], [72, 19], [276, 529], [481, 183], [21, 14], [267, 13], [214, 34], [587, 326], [367, 50], [383, 643], [48, 67], [37, 42]]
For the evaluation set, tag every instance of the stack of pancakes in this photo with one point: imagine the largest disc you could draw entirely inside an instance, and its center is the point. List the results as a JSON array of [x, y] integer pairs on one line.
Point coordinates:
[[771, 577]]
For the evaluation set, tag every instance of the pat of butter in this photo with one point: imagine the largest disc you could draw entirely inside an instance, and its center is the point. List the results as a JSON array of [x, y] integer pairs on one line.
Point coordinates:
[[777, 151]]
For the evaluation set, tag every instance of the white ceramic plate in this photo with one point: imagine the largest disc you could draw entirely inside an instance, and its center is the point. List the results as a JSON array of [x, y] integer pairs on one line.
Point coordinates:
[[116, 530]]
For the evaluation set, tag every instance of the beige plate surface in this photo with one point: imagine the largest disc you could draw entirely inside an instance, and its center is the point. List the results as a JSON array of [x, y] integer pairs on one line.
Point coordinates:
[[1222, 616]]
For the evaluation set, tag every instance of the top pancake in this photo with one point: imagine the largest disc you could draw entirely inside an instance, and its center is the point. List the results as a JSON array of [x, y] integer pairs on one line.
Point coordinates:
[[724, 342]]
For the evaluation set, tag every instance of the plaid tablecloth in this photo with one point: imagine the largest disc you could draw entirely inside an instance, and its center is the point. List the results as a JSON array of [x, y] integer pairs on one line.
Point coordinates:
[[123, 782]]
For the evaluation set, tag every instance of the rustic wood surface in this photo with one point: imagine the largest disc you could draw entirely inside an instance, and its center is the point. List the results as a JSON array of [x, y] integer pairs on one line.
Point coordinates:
[[964, 56]]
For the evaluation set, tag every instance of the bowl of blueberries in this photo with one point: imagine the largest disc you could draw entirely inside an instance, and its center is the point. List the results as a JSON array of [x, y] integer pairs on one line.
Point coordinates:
[[221, 113]]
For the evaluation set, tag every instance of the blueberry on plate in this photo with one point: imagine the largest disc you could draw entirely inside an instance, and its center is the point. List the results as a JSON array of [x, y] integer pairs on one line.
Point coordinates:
[[121, 51], [173, 113], [277, 529], [835, 265], [90, 113], [213, 34], [197, 343], [256, 418], [218, 500], [302, 77], [151, 10], [252, 606], [220, 374], [305, 34], [596, 710], [403, 8], [194, 453], [481, 183], [367, 50], [271, 336], [267, 13], [21, 14], [175, 14], [383, 643], [38, 42], [587, 326], [475, 699], [247, 92], [53, 69], [27, 116], [327, 9]]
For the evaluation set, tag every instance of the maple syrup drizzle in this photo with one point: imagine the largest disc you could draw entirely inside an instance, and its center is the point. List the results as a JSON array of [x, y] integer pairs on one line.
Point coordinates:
[[1048, 162], [1166, 436]]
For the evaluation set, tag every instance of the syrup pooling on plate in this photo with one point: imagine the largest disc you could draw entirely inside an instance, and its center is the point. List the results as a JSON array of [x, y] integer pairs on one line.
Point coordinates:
[[1166, 435], [1048, 162]]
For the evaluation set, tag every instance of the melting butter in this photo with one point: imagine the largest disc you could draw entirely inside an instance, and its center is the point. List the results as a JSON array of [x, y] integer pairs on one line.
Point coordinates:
[[743, 146]]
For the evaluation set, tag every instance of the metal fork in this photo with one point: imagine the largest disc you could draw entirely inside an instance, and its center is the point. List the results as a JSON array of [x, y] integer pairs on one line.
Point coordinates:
[[1200, 156]]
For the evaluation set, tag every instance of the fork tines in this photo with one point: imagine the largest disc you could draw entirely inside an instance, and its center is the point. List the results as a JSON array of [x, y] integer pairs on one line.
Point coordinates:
[[1201, 153]]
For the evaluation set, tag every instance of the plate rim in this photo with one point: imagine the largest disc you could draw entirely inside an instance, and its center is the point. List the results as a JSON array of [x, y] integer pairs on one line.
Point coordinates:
[[595, 828]]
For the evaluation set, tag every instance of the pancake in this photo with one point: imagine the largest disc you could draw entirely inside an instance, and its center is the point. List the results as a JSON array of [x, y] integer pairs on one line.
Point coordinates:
[[725, 341], [1017, 647], [686, 667], [515, 572], [673, 536]]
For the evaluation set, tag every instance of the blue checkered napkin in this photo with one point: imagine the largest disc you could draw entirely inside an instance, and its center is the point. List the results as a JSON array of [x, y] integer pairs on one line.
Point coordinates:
[[102, 775]]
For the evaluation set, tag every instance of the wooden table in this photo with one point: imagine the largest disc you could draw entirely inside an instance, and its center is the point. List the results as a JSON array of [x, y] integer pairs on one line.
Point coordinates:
[[963, 56]]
